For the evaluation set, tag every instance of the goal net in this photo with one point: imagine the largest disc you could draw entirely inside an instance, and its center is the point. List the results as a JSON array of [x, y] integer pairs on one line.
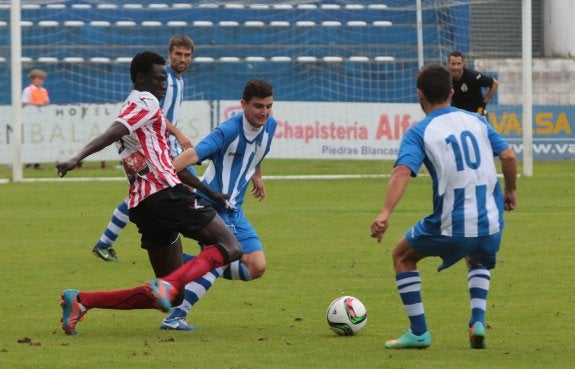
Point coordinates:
[[343, 71]]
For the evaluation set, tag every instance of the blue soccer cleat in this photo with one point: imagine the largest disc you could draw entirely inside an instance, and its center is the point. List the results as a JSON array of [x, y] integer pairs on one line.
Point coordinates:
[[72, 311], [409, 340], [177, 324], [477, 336], [162, 292]]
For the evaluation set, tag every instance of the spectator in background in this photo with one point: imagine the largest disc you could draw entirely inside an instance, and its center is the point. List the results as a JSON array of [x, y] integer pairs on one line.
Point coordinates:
[[35, 94], [468, 84]]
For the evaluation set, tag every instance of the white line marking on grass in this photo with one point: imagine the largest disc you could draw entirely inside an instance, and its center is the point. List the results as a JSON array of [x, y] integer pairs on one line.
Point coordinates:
[[288, 177]]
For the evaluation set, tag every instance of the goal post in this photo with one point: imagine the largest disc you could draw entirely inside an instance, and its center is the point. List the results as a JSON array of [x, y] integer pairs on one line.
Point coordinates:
[[16, 87], [360, 56]]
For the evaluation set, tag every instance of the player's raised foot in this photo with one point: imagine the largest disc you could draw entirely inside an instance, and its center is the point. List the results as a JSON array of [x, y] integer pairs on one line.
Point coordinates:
[[178, 324], [162, 292], [409, 341], [477, 336], [72, 311], [105, 253]]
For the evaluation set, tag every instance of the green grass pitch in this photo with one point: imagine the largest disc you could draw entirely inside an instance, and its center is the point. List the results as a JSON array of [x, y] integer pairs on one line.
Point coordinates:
[[316, 234]]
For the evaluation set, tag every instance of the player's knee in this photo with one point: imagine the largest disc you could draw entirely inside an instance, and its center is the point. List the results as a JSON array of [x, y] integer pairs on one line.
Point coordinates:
[[404, 257], [257, 271], [231, 251]]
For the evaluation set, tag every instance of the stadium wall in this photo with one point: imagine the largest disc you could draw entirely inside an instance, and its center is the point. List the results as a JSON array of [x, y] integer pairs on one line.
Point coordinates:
[[368, 131]]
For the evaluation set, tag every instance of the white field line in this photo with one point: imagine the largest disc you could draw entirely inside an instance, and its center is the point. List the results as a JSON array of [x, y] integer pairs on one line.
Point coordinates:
[[290, 177]]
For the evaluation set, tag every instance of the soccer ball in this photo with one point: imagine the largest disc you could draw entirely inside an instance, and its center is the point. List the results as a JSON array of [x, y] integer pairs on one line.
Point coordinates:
[[346, 316]]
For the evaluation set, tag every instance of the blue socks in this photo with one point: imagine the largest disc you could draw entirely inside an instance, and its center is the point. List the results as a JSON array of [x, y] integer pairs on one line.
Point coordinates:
[[478, 280], [120, 219], [409, 288]]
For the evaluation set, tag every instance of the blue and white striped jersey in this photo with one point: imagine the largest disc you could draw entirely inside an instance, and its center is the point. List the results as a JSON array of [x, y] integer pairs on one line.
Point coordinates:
[[458, 149], [171, 104], [234, 157]]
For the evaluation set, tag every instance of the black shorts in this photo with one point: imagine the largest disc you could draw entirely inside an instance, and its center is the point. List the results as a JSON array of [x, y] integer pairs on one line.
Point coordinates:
[[163, 215]]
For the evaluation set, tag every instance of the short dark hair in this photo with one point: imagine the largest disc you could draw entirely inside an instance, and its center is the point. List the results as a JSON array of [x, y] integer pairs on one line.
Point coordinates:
[[257, 88], [434, 81], [144, 63], [455, 53], [180, 41]]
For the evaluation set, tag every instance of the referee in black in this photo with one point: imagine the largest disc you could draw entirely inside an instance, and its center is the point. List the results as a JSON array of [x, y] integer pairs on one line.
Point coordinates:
[[467, 84]]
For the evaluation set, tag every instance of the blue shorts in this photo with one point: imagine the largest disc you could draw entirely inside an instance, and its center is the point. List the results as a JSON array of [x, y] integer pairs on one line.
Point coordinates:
[[242, 229], [481, 250]]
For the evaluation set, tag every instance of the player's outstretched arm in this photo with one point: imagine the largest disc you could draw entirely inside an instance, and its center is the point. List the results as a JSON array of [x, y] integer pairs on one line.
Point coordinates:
[[112, 134], [509, 168]]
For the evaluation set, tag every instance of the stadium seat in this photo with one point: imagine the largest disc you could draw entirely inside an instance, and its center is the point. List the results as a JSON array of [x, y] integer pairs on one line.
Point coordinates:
[[47, 59], [203, 59], [125, 23], [281, 59], [107, 6], [230, 59], [203, 23], [228, 24], [100, 23], [255, 59], [306, 59], [297, 37], [100, 60], [358, 58], [56, 6], [330, 6], [234, 6], [181, 6], [48, 23], [177, 24], [74, 23], [133, 6], [151, 24], [259, 6], [72, 59], [254, 24]]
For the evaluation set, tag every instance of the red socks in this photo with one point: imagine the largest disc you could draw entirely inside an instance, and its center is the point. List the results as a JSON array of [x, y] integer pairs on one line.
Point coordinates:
[[134, 298], [210, 258], [140, 297]]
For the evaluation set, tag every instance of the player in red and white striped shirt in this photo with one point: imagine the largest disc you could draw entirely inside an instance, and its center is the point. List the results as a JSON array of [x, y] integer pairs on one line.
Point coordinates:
[[145, 151], [160, 205]]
